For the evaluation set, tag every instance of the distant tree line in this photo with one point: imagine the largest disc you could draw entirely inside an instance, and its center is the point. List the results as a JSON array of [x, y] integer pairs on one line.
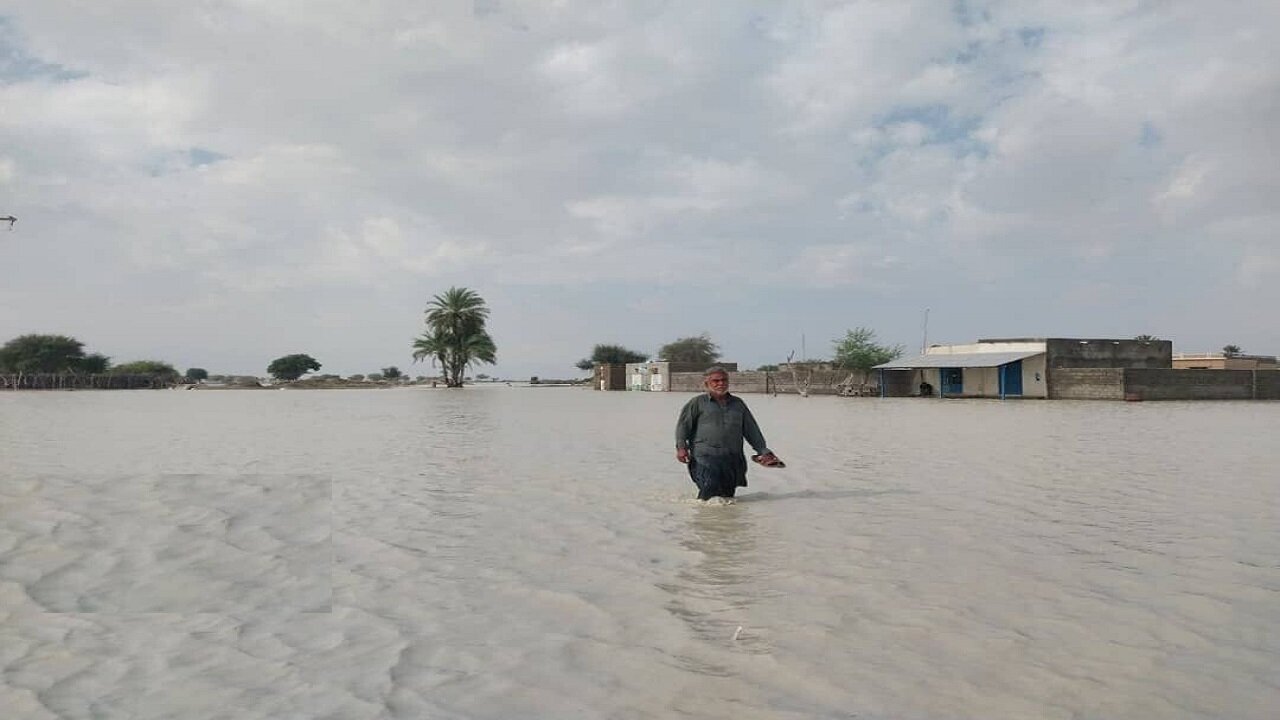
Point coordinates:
[[49, 362], [858, 350]]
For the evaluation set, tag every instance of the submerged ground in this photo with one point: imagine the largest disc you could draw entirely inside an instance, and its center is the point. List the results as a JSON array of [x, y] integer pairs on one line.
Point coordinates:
[[506, 552]]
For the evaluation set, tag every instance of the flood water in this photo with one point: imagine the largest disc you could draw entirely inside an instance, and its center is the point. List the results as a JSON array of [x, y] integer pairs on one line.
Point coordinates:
[[514, 552]]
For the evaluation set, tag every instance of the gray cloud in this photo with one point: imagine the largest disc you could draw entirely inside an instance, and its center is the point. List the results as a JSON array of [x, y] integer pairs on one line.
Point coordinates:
[[226, 185]]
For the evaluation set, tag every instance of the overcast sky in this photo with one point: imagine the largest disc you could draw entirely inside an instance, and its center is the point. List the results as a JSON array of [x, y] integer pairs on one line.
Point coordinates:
[[219, 183]]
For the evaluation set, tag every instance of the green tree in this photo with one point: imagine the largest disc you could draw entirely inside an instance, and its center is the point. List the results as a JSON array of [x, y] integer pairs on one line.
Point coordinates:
[[93, 364], [610, 355], [292, 367], [1147, 338], [697, 349], [392, 373], [767, 368], [859, 351], [456, 337], [1232, 350], [356, 378], [41, 354], [197, 374], [147, 367]]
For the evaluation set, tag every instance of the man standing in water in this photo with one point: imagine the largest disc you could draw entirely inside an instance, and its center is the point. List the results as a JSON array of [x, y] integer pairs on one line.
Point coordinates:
[[709, 437]]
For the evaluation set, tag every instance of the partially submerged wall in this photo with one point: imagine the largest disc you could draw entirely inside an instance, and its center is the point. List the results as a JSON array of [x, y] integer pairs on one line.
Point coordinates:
[[1188, 384], [1267, 384], [1164, 384], [747, 381]]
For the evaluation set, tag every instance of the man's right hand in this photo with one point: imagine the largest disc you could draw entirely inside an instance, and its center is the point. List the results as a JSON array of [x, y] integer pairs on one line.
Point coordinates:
[[682, 454]]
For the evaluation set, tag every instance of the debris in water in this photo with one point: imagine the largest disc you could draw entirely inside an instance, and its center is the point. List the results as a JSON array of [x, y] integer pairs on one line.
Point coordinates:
[[736, 633]]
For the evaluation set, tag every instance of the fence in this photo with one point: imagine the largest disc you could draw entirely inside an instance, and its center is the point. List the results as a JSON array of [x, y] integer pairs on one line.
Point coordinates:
[[69, 381]]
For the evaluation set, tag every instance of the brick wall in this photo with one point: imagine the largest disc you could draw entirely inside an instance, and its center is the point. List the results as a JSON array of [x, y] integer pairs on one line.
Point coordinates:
[[1087, 384]]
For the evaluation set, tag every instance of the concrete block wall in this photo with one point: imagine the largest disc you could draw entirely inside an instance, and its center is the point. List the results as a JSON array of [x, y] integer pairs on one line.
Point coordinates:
[[1152, 384], [747, 381], [1267, 383], [1087, 384]]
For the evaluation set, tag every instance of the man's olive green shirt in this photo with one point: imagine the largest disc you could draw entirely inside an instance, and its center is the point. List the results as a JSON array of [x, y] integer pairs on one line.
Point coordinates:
[[707, 428]]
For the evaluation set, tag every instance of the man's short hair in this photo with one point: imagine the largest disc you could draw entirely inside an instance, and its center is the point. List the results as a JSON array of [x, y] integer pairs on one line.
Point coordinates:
[[714, 369]]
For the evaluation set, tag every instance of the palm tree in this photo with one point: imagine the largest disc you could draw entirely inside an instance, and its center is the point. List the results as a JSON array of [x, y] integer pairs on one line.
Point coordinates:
[[456, 337], [431, 345]]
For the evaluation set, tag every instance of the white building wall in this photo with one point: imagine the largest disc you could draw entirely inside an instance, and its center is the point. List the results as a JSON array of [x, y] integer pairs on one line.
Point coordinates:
[[1033, 384], [649, 377], [658, 377], [984, 382], [637, 376]]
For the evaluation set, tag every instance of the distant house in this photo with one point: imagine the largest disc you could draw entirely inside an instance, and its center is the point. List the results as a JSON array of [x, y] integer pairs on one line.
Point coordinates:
[[1222, 361], [1014, 367], [656, 376]]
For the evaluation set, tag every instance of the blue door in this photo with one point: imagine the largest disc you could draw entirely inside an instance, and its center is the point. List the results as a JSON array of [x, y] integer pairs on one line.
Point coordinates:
[[952, 381], [1011, 378]]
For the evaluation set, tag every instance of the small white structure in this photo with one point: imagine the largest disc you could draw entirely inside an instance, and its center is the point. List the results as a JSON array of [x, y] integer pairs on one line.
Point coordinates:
[[656, 376]]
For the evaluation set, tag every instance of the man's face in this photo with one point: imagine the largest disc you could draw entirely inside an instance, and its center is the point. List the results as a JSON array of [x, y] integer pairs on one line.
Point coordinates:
[[717, 384]]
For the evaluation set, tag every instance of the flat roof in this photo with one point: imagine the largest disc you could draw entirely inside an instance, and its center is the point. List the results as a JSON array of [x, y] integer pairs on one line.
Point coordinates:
[[958, 360], [1222, 356]]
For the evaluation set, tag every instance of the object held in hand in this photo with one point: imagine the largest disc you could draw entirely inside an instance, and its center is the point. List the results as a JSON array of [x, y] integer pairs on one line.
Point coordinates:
[[769, 460]]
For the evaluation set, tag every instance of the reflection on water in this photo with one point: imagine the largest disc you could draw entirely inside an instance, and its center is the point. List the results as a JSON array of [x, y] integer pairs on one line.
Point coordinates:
[[712, 594], [504, 552]]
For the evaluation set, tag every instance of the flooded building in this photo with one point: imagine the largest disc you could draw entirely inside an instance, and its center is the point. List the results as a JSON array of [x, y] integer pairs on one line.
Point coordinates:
[[1015, 367]]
